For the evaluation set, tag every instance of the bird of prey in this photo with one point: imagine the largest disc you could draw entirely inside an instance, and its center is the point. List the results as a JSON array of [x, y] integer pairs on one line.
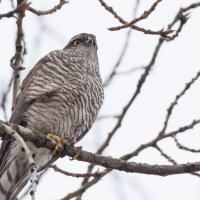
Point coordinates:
[[61, 95]]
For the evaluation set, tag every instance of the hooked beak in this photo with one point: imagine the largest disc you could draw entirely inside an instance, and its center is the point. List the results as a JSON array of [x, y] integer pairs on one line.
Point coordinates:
[[89, 41]]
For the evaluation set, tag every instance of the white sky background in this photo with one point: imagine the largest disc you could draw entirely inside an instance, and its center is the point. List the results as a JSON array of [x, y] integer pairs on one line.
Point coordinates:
[[177, 63]]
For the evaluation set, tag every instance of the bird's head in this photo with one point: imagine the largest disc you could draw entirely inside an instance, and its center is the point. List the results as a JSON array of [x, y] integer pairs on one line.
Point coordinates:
[[82, 41], [84, 46]]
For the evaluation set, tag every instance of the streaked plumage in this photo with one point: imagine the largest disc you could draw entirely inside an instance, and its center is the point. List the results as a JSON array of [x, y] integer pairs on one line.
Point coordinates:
[[61, 95]]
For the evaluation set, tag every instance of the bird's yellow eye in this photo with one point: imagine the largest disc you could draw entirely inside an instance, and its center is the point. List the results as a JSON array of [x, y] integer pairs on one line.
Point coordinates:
[[76, 42]]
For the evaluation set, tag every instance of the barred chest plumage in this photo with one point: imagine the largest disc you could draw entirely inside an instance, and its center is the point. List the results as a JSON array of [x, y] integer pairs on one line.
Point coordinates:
[[73, 100]]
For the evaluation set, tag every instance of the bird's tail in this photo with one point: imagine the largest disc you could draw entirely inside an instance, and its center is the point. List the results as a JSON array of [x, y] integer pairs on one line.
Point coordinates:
[[14, 169]]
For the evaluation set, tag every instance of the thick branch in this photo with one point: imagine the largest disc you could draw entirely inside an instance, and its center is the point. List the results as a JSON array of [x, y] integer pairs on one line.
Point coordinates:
[[108, 162]]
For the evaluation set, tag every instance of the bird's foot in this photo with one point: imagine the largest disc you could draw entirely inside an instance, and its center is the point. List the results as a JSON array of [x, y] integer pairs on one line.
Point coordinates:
[[77, 153], [59, 142]]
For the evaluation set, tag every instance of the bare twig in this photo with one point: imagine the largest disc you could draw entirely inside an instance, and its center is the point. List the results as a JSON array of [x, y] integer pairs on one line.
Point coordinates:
[[123, 52], [174, 103], [108, 162], [180, 146], [163, 33], [50, 11], [111, 10], [169, 158], [17, 59], [128, 156], [142, 17], [77, 175], [159, 138], [81, 190], [146, 31], [9, 14], [183, 10], [183, 19], [129, 71], [146, 13]]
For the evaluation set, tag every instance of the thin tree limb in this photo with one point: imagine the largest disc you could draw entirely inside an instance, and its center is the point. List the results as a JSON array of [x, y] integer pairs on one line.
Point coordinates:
[[76, 175], [145, 15], [180, 146], [50, 11], [4, 98], [140, 29], [175, 102]]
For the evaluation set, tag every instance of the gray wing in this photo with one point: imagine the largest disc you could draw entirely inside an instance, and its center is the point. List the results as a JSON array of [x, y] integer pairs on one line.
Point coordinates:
[[26, 97], [24, 100], [10, 153]]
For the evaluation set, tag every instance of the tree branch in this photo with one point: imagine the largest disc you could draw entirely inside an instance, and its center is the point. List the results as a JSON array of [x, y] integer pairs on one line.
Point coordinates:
[[108, 162], [17, 59], [143, 16], [170, 159], [87, 184], [123, 51], [50, 11], [111, 10], [180, 146], [4, 98], [77, 175], [21, 7], [175, 102]]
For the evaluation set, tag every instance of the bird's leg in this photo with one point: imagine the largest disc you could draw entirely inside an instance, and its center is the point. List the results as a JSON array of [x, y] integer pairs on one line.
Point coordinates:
[[59, 142]]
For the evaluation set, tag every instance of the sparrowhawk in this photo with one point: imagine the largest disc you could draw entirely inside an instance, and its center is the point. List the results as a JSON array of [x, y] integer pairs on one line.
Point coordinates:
[[61, 95]]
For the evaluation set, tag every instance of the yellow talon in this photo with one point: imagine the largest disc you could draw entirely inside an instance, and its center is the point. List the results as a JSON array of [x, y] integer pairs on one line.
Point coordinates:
[[59, 142]]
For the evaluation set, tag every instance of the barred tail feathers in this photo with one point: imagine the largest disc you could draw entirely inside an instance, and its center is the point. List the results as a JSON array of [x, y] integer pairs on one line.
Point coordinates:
[[14, 170]]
